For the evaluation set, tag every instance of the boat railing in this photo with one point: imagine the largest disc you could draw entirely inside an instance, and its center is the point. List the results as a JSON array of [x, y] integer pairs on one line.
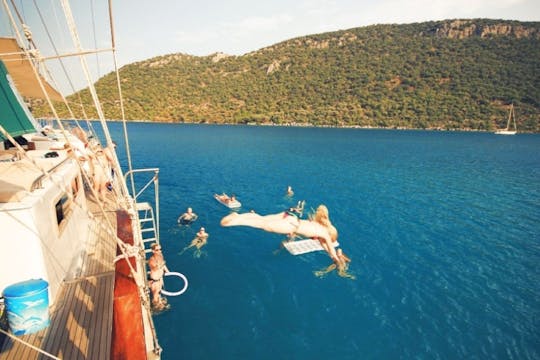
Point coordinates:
[[147, 185], [38, 183]]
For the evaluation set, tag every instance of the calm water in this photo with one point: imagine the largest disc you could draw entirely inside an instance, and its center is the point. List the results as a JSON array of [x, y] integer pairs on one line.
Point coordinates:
[[443, 230]]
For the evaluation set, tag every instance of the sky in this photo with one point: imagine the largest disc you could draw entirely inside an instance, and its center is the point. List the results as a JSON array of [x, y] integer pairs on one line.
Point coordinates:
[[237, 27], [148, 28]]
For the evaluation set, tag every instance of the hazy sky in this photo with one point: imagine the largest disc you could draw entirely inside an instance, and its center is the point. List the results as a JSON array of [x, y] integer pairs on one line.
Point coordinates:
[[148, 28]]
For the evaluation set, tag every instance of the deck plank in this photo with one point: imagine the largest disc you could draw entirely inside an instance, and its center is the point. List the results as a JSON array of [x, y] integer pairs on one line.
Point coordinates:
[[59, 318], [74, 335], [105, 330]]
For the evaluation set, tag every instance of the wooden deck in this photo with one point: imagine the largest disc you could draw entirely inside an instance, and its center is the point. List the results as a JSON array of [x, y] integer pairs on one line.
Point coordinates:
[[81, 318]]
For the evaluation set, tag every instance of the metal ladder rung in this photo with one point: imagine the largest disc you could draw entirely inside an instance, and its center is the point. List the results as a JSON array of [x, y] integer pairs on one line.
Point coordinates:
[[146, 214], [143, 206]]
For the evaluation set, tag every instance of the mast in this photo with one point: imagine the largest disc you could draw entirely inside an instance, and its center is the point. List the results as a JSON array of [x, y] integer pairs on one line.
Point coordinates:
[[513, 117], [510, 115]]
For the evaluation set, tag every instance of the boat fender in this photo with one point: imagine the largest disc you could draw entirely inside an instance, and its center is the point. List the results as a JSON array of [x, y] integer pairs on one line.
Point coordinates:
[[181, 291]]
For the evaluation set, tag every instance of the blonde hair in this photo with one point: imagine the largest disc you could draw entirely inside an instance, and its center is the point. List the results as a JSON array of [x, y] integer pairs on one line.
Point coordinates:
[[322, 217]]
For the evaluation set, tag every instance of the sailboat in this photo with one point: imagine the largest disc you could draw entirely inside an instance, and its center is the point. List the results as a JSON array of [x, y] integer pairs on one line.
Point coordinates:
[[511, 118], [75, 237]]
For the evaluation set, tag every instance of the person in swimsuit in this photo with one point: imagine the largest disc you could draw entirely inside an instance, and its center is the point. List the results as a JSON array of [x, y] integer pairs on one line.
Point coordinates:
[[202, 234], [290, 191], [317, 227], [199, 241], [155, 280], [225, 198], [187, 217]]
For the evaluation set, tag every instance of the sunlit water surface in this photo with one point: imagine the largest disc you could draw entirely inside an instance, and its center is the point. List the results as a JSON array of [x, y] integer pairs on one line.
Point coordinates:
[[442, 228]]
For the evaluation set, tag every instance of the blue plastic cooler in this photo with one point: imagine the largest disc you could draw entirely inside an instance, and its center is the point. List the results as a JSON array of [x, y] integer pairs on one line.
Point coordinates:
[[27, 305]]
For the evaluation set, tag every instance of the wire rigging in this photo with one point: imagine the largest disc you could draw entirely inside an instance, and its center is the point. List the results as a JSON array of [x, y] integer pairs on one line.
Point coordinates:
[[95, 38]]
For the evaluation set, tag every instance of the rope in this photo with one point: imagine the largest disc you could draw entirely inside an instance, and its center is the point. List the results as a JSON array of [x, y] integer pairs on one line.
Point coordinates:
[[71, 24], [27, 32], [64, 100], [30, 345], [95, 39], [121, 98], [130, 252], [76, 41]]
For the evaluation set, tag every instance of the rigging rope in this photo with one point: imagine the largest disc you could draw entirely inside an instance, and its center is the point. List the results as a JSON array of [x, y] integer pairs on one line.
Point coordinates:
[[122, 110], [29, 345], [60, 61], [95, 40]]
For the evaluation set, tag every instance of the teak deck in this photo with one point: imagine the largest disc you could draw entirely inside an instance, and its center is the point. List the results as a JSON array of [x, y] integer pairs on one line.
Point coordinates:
[[81, 318]]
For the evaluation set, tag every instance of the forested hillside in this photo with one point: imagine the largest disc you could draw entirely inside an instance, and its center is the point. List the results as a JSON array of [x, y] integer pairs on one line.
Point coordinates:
[[455, 74]]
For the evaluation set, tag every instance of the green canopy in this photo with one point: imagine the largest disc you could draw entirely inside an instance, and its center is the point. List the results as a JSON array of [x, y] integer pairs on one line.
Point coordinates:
[[14, 114]]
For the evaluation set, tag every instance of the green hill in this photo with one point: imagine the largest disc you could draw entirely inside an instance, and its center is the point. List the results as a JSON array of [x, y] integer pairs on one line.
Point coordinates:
[[455, 74]]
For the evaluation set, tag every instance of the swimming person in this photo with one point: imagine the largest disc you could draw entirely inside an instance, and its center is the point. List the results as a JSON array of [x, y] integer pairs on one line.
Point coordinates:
[[290, 191], [188, 217], [155, 280], [202, 233], [201, 238], [317, 227]]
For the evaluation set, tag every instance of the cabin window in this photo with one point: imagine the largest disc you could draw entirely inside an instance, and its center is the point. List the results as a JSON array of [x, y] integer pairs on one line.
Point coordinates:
[[61, 208], [64, 205]]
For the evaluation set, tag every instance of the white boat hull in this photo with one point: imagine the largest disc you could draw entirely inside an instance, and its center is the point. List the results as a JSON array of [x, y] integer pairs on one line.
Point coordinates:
[[505, 132]]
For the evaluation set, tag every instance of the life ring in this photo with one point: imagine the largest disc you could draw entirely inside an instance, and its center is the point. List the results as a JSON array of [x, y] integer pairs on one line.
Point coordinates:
[[183, 290]]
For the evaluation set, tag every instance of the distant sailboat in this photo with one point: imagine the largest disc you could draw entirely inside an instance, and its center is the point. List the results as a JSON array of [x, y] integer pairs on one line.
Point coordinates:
[[511, 117]]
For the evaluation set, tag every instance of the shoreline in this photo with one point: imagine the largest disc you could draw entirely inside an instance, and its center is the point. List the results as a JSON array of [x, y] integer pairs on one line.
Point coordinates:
[[304, 125]]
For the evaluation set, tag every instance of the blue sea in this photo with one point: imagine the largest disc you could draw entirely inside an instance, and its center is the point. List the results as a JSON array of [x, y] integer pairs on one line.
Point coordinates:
[[443, 229]]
